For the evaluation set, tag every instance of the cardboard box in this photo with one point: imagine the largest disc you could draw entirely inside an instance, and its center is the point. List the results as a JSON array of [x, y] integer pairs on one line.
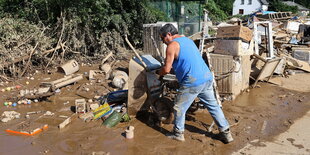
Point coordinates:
[[233, 47], [235, 32]]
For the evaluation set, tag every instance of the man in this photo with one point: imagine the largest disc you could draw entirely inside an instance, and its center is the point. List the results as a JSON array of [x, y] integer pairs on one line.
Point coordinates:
[[195, 80]]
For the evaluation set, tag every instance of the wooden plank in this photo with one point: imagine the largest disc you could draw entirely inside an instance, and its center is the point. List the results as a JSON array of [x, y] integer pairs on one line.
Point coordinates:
[[268, 70], [297, 64], [67, 121]]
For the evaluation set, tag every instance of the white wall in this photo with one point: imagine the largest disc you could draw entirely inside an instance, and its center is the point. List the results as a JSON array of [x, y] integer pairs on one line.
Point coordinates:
[[248, 9]]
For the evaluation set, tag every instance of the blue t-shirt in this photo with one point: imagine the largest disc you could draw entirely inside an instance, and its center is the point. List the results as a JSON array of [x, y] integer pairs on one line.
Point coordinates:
[[190, 69]]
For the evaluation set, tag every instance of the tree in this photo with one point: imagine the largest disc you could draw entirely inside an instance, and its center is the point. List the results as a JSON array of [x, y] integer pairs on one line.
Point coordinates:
[[278, 6]]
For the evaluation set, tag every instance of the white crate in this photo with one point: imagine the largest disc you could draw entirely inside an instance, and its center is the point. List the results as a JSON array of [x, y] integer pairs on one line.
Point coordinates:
[[233, 73], [233, 47]]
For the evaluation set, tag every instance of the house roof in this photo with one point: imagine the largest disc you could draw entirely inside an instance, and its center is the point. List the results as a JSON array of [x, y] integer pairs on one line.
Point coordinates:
[[300, 7], [264, 2]]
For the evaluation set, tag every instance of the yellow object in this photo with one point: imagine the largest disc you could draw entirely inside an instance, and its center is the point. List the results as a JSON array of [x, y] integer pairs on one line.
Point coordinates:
[[27, 82], [102, 110], [8, 88], [9, 103]]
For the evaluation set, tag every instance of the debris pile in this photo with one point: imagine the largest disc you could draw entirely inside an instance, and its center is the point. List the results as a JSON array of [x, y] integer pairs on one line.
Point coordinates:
[[9, 115], [268, 45], [116, 90]]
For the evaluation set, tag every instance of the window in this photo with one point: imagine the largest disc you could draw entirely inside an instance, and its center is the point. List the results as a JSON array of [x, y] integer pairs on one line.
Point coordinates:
[[241, 11], [242, 2], [250, 2]]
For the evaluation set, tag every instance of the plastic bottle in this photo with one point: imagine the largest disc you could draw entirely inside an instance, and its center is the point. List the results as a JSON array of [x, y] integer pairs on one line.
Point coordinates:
[[113, 119]]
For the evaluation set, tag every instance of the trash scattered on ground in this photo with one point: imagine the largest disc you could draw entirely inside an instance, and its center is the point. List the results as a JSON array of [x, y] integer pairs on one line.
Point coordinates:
[[70, 67], [242, 54], [66, 122], [48, 113], [9, 115], [81, 106]]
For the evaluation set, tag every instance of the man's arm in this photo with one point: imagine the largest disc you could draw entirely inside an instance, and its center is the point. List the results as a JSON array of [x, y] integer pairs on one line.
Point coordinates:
[[171, 52]]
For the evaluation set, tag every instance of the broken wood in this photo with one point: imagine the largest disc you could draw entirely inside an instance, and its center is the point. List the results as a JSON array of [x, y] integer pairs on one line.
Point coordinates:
[[59, 40], [27, 57], [94, 73], [39, 96], [107, 57], [136, 53], [31, 53], [67, 121], [267, 70], [260, 57], [295, 63]]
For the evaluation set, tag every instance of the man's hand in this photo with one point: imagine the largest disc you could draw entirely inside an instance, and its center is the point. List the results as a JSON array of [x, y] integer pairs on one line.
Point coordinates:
[[157, 71], [160, 77]]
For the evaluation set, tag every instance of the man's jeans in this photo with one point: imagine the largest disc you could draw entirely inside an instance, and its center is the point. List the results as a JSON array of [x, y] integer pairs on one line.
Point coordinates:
[[205, 93]]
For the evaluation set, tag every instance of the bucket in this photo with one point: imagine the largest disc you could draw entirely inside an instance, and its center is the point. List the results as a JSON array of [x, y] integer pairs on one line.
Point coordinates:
[[113, 119], [70, 67], [129, 132]]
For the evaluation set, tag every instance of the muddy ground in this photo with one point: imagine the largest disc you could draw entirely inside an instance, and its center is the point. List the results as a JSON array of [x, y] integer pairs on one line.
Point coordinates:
[[262, 113]]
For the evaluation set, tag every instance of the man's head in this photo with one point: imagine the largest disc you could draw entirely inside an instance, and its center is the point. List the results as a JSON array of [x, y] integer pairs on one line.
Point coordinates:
[[167, 30]]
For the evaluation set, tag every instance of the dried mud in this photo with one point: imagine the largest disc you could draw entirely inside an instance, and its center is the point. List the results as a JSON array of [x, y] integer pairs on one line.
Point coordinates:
[[260, 114]]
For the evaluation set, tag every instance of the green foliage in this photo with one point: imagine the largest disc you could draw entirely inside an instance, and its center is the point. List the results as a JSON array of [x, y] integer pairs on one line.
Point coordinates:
[[242, 17], [226, 6], [278, 6], [89, 19], [215, 13], [18, 37], [304, 3]]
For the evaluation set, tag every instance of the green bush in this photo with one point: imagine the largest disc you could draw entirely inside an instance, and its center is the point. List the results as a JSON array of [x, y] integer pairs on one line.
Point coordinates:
[[87, 20], [278, 6], [215, 13]]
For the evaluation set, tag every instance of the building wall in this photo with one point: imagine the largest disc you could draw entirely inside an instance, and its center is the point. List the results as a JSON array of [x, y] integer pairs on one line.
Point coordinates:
[[247, 8]]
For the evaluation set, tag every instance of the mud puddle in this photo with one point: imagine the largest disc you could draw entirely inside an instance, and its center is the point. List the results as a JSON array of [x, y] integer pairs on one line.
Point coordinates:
[[260, 114]]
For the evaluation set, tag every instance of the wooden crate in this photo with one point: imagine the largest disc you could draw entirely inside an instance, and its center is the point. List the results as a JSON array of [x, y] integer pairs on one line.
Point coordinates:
[[235, 32]]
